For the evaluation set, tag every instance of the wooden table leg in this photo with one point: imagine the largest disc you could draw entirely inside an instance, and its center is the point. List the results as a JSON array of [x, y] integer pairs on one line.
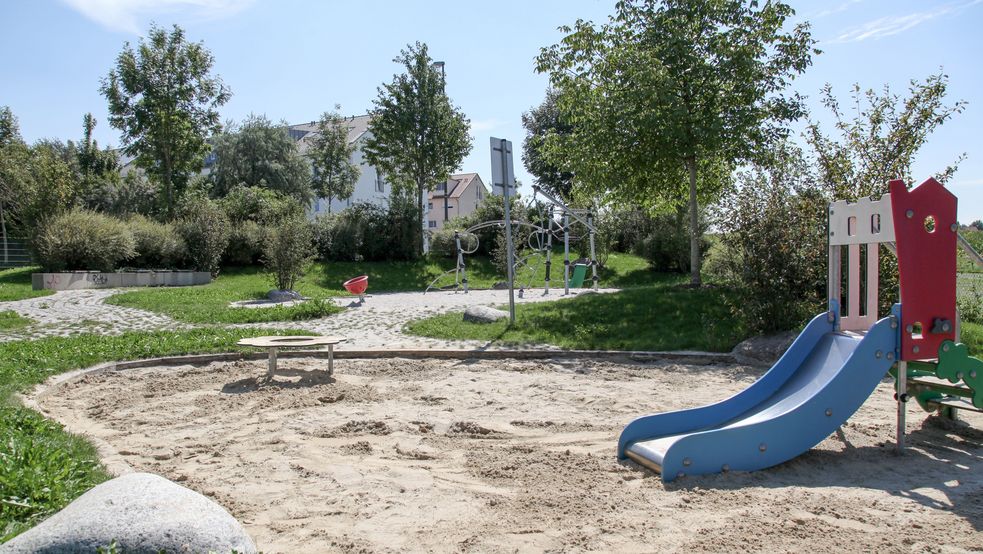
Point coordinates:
[[272, 363]]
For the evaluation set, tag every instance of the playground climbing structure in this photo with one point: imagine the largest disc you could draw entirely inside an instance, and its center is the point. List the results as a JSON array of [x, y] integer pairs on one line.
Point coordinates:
[[841, 356]]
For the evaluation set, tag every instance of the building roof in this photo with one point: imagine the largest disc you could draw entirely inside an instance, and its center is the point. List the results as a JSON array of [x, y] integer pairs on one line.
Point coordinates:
[[358, 125], [457, 184]]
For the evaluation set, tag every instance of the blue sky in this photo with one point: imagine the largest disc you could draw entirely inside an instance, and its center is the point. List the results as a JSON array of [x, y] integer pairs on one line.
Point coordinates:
[[293, 59]]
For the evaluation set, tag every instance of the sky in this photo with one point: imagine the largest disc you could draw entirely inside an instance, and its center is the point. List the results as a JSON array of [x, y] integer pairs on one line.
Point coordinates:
[[292, 60]]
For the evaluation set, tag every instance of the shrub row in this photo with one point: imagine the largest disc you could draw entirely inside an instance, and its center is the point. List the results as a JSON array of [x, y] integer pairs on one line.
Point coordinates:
[[366, 232], [85, 240]]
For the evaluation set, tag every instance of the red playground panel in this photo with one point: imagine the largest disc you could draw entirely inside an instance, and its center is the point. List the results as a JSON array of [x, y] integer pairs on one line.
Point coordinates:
[[357, 285], [925, 230]]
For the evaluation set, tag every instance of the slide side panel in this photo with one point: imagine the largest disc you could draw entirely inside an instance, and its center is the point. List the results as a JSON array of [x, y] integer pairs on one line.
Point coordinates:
[[694, 419], [758, 444]]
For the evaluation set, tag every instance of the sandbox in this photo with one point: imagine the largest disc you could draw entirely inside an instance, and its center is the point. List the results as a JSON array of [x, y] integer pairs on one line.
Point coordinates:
[[504, 455]]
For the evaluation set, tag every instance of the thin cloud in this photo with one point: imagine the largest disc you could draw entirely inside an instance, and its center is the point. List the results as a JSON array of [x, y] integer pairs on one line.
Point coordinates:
[[129, 16], [894, 24], [835, 10], [482, 125]]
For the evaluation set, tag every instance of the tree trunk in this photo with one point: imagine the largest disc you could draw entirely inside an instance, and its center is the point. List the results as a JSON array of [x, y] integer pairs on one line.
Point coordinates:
[[421, 190], [3, 233], [694, 225]]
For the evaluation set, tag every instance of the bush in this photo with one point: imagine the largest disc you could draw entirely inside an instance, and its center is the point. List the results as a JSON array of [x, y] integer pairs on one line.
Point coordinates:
[[970, 303], [84, 240], [666, 243], [245, 243], [158, 245], [287, 251], [257, 204], [205, 230], [132, 194], [366, 232], [774, 248]]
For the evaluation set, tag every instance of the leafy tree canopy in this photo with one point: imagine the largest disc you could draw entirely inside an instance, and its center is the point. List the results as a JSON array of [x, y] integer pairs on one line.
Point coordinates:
[[331, 155], [670, 89], [880, 141], [164, 99], [540, 123], [417, 136], [260, 153]]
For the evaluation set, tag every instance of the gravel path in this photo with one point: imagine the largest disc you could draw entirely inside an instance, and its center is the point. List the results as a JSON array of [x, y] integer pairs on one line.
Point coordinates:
[[375, 324], [73, 312]]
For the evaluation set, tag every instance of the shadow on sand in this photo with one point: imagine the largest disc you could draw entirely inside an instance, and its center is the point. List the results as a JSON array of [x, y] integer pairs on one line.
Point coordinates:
[[942, 461]]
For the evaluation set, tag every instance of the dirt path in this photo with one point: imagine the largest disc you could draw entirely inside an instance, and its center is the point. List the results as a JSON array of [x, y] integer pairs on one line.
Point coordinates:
[[503, 456]]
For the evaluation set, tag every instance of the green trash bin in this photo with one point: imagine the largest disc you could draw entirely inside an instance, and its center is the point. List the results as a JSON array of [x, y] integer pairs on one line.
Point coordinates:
[[577, 278]]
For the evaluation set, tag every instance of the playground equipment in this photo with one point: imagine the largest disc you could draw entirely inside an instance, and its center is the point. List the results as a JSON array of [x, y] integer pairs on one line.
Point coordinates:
[[357, 286], [840, 357], [539, 241]]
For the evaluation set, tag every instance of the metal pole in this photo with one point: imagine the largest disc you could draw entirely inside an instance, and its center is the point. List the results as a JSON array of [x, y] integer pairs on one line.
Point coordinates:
[[902, 402], [549, 251], [566, 252], [457, 274], [593, 257], [510, 253]]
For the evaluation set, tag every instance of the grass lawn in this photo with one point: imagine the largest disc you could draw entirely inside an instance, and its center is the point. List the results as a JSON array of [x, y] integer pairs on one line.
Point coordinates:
[[971, 334], [10, 321], [15, 284], [43, 468], [655, 317], [210, 303]]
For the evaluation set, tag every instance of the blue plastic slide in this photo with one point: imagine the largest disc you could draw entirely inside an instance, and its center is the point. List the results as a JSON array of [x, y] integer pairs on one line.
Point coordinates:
[[822, 379]]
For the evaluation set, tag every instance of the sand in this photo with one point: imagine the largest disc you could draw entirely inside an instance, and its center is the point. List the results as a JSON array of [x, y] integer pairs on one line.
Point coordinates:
[[505, 456]]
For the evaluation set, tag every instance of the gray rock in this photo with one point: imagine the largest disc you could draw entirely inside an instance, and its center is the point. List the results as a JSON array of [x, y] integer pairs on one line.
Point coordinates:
[[283, 295], [500, 285], [763, 350], [142, 512], [483, 314]]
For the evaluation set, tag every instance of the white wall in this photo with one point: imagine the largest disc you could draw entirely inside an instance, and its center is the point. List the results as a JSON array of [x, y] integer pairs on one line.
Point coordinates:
[[365, 188]]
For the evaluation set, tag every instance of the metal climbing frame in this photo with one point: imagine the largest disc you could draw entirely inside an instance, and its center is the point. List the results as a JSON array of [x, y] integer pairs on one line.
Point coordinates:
[[583, 216]]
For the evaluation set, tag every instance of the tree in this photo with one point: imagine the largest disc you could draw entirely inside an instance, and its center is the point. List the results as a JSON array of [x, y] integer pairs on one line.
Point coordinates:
[[15, 174], [334, 173], [287, 251], [671, 92], [98, 170], [163, 98], [881, 140], [540, 123], [260, 153], [878, 144], [417, 137]]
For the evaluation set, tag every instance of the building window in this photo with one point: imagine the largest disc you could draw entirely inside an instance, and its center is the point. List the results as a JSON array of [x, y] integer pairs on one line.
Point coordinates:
[[429, 205], [432, 224], [442, 187], [380, 183]]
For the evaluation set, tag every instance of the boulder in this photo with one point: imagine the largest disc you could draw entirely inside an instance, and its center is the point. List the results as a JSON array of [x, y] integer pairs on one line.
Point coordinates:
[[276, 295], [141, 512], [763, 350], [500, 285], [483, 314]]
